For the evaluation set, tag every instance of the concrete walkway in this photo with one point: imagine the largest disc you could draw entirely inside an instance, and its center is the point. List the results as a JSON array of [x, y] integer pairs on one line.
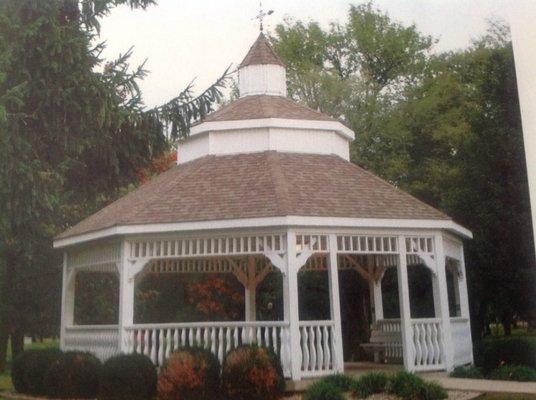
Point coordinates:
[[481, 385]]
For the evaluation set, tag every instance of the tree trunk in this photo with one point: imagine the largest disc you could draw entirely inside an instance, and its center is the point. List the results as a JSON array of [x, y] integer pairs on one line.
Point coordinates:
[[507, 320], [17, 342], [4, 335]]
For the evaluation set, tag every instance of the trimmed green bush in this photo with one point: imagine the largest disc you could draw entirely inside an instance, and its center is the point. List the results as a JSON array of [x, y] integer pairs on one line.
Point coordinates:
[[128, 377], [343, 382], [432, 391], [467, 372], [323, 390], [371, 383], [252, 372], [190, 373], [29, 369], [519, 373], [494, 352], [411, 387], [75, 375]]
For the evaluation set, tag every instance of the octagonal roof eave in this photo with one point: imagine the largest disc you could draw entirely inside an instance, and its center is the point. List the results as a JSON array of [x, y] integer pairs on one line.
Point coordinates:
[[396, 225], [213, 126]]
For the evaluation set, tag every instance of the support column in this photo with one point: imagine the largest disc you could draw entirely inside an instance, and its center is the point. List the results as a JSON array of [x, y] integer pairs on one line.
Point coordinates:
[[376, 289], [464, 298], [405, 311], [250, 292], [441, 302], [290, 299], [126, 298], [67, 299], [334, 298]]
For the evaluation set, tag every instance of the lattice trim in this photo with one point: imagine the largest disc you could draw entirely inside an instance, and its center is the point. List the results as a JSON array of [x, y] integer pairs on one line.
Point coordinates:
[[141, 249], [361, 244]]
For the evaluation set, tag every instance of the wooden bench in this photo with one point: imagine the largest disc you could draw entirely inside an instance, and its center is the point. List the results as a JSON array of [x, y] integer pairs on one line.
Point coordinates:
[[382, 345]]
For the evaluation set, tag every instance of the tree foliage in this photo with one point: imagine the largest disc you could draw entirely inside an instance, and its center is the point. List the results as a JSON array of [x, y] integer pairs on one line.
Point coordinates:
[[73, 132], [445, 127]]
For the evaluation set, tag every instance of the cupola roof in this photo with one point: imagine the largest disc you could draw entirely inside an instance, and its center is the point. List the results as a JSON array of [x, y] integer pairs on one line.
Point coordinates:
[[261, 53]]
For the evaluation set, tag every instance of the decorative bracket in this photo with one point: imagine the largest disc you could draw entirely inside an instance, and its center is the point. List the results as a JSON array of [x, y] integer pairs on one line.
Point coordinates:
[[428, 260], [135, 268], [276, 259]]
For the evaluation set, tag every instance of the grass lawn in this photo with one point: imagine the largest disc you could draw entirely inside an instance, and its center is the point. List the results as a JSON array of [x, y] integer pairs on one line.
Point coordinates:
[[5, 378]]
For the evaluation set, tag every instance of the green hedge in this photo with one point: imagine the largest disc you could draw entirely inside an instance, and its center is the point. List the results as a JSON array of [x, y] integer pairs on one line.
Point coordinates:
[[75, 375], [520, 373], [29, 370], [323, 390], [494, 352], [128, 377]]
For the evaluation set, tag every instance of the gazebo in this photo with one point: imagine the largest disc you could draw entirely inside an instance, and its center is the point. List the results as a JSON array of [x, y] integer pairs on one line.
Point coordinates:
[[264, 185]]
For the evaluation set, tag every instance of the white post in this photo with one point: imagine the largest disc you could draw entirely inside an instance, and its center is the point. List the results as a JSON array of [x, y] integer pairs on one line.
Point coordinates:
[[334, 298], [464, 298], [290, 298], [405, 311], [67, 300], [250, 292], [126, 297], [377, 300], [441, 302]]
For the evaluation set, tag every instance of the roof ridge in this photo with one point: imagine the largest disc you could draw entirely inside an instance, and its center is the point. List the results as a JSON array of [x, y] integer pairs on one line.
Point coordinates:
[[404, 193], [281, 188]]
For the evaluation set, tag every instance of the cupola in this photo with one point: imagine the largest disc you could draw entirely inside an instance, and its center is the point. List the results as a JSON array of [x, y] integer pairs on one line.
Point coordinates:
[[262, 71]]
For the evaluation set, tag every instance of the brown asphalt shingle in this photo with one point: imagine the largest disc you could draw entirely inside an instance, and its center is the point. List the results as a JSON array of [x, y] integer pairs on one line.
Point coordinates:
[[265, 106], [261, 52], [267, 184]]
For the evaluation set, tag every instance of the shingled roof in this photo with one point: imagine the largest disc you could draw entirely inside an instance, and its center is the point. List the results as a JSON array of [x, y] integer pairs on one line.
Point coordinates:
[[261, 52], [267, 184], [265, 106]]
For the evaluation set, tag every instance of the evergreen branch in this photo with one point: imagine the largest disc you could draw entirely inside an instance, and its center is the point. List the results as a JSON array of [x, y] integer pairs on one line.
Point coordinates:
[[178, 114]]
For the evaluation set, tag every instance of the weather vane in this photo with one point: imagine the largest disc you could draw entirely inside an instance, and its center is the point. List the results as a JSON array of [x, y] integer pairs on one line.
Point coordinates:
[[261, 15]]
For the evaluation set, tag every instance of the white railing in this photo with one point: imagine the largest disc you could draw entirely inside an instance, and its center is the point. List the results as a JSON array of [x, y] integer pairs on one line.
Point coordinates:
[[428, 346], [317, 341], [461, 341], [391, 335], [157, 341], [101, 340]]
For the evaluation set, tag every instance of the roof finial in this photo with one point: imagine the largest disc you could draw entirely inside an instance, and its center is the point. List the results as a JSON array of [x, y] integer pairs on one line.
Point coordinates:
[[261, 15]]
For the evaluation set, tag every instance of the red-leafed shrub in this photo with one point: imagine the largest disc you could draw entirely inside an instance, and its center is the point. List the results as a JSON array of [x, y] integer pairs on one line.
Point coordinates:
[[251, 372], [189, 374]]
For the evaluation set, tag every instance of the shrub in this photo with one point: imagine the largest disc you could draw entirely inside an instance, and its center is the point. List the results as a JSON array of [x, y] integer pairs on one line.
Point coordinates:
[[189, 374], [75, 375], [323, 390], [251, 372], [343, 382], [411, 387], [520, 373], [432, 391], [29, 369], [492, 353], [467, 372], [127, 377], [368, 384]]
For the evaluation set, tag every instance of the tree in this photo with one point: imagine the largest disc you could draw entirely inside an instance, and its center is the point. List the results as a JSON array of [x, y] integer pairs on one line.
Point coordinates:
[[73, 132], [444, 127]]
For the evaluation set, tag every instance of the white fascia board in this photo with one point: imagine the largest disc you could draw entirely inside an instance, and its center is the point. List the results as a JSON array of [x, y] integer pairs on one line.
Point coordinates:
[[213, 126], [290, 221]]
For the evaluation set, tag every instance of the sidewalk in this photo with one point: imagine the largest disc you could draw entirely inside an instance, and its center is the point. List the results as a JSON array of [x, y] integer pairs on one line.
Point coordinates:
[[480, 385]]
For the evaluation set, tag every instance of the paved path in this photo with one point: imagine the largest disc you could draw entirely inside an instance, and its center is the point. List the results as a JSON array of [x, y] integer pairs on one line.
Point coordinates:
[[481, 385]]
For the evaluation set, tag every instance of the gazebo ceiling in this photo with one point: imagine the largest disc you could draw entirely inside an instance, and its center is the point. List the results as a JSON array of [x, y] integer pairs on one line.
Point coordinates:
[[265, 184]]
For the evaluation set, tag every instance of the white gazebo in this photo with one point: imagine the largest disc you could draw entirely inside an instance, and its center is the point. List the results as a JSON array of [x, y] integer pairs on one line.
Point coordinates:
[[265, 185]]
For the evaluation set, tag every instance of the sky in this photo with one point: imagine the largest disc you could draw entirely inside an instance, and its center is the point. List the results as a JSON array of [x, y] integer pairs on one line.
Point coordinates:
[[187, 39]]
